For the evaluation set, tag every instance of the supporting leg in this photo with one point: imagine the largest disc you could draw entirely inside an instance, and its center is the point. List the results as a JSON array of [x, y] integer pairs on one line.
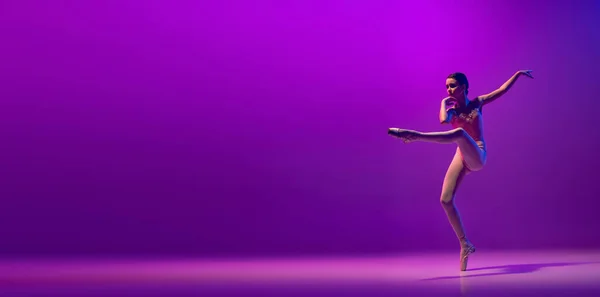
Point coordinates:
[[454, 175]]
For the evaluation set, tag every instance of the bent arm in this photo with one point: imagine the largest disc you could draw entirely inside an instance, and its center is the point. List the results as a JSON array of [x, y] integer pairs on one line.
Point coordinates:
[[488, 98], [445, 114]]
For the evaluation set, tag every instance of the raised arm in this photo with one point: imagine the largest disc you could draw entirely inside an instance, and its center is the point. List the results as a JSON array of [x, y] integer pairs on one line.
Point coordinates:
[[488, 98]]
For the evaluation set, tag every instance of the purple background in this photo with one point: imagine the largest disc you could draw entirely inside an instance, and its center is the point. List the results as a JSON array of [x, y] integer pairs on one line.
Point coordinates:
[[243, 128]]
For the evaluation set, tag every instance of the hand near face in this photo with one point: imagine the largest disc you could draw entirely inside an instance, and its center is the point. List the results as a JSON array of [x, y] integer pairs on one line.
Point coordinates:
[[449, 100]]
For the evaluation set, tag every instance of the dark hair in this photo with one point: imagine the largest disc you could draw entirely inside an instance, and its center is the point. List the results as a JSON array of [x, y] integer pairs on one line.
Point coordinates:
[[461, 78]]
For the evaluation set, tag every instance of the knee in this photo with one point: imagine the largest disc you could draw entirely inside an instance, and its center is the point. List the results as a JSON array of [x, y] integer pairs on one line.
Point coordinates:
[[459, 132], [446, 199]]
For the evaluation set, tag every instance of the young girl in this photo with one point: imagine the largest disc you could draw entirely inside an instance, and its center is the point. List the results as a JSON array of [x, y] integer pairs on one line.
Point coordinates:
[[465, 116]]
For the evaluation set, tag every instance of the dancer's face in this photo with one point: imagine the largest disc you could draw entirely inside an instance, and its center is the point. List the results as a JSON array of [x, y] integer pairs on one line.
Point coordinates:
[[455, 89]]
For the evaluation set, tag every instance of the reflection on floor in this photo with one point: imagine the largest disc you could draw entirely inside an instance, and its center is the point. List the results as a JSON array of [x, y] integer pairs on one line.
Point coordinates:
[[526, 273]]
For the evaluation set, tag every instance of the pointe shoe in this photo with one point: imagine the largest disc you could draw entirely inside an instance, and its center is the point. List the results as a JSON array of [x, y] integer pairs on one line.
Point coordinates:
[[406, 136], [467, 249]]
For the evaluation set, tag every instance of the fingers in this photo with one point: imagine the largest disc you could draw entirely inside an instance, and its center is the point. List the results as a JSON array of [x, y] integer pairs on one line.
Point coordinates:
[[450, 99]]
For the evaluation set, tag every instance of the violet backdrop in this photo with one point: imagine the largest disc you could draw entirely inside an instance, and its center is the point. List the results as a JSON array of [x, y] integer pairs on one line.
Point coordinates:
[[243, 128]]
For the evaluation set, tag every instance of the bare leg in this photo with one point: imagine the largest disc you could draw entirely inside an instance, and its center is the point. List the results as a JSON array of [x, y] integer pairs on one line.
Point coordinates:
[[454, 175], [470, 151]]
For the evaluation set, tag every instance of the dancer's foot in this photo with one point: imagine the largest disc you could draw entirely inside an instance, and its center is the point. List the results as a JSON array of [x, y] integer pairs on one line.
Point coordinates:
[[466, 249], [406, 136]]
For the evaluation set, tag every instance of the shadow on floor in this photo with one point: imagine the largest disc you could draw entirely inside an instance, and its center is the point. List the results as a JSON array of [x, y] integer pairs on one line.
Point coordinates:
[[510, 269]]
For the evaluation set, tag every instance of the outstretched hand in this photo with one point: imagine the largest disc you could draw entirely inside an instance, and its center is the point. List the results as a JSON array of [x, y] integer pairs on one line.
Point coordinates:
[[526, 72]]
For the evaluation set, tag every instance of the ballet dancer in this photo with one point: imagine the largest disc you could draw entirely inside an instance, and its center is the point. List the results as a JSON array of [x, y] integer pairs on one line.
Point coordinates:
[[465, 117]]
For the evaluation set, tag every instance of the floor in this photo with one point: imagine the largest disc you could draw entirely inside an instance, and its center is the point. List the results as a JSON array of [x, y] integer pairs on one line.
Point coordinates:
[[501, 273]]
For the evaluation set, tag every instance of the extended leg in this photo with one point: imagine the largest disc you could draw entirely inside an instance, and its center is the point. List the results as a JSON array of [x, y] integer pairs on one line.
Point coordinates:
[[470, 151], [454, 175]]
